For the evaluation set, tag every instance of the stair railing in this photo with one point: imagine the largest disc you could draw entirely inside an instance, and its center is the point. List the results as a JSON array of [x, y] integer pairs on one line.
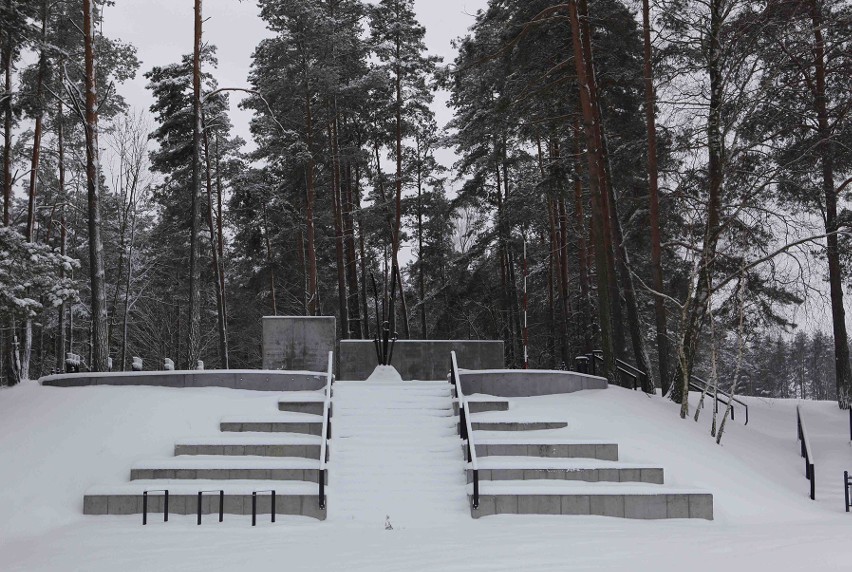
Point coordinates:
[[806, 450], [698, 384], [465, 426], [326, 431], [635, 374]]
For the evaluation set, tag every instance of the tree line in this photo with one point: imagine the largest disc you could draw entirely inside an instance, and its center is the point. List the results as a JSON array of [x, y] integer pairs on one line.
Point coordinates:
[[668, 179]]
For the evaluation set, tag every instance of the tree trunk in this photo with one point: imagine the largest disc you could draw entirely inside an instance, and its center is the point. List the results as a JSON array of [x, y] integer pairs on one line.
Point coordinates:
[[194, 311], [660, 321], [312, 295], [7, 129], [362, 254], [100, 350], [582, 247], [421, 275], [63, 233], [338, 231], [352, 301], [270, 263], [599, 211], [842, 368], [221, 318]]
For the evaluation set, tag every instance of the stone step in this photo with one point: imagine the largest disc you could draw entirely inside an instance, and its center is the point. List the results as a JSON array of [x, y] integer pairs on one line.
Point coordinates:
[[517, 425], [253, 444], [294, 498], [228, 468], [483, 404], [545, 447], [578, 498], [305, 406], [548, 468], [285, 423]]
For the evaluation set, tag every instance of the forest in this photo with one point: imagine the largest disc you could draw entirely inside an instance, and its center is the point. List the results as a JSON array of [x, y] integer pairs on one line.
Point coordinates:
[[667, 181]]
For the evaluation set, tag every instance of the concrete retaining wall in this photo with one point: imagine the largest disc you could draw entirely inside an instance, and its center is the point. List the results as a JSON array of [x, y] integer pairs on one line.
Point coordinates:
[[258, 380], [298, 342], [526, 382], [425, 360]]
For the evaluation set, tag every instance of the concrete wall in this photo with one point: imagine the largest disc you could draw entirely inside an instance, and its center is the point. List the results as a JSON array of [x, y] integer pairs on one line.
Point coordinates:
[[258, 380], [418, 359], [526, 383], [298, 342]]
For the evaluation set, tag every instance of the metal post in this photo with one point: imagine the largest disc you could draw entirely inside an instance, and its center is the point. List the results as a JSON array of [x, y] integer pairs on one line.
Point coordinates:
[[526, 306], [254, 509], [273, 505], [846, 488], [199, 508], [166, 507], [475, 489], [221, 505], [321, 490], [813, 483], [145, 508]]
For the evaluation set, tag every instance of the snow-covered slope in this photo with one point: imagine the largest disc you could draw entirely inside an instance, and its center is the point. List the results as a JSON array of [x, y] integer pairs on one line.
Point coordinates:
[[56, 443]]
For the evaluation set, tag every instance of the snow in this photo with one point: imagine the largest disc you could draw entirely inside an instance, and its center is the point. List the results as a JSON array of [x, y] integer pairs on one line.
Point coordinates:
[[384, 373], [55, 443]]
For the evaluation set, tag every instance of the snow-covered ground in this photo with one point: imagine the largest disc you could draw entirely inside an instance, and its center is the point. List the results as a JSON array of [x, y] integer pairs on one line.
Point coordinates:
[[55, 443]]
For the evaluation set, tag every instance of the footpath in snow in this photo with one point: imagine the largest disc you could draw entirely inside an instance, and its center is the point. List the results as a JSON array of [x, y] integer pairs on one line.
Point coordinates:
[[396, 455]]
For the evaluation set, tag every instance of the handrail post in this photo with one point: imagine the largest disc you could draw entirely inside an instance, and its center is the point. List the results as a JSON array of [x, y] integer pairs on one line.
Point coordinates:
[[475, 488], [846, 488]]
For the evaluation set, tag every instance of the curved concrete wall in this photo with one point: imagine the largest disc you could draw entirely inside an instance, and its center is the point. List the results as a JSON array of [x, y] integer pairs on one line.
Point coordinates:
[[527, 382], [258, 380], [424, 360]]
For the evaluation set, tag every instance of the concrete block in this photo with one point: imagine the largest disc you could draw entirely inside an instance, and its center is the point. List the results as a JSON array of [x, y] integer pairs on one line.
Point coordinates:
[[487, 506], [539, 504], [609, 475], [655, 476], [299, 342], [95, 504], [291, 504], [525, 383], [646, 507], [607, 505], [125, 504], [606, 452], [576, 504], [234, 450], [310, 507], [137, 474], [506, 504], [701, 506], [630, 475], [677, 506], [234, 504]]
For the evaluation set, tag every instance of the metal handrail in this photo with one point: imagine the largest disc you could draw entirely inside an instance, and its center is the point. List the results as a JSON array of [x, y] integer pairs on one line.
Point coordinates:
[[465, 426], [621, 365], [326, 430], [705, 386], [806, 450]]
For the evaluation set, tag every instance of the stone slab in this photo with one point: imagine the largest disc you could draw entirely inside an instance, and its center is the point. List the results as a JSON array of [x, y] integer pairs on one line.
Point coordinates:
[[298, 342], [525, 383]]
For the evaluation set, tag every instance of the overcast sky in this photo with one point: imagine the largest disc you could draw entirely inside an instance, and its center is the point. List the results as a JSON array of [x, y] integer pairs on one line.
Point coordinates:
[[162, 31]]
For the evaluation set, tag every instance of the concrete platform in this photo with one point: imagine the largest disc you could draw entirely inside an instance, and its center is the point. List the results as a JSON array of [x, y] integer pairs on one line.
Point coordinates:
[[546, 447], [526, 382], [517, 425], [293, 498], [253, 444], [285, 423], [622, 501], [228, 468], [544, 468], [258, 380]]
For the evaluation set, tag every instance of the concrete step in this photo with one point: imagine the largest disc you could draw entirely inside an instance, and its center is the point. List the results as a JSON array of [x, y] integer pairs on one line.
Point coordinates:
[[545, 447], [578, 498], [310, 407], [254, 444], [548, 468], [517, 425], [228, 468], [483, 404], [294, 498], [285, 423]]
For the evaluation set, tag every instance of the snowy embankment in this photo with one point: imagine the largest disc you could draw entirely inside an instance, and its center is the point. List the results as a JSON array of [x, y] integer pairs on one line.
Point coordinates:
[[55, 443]]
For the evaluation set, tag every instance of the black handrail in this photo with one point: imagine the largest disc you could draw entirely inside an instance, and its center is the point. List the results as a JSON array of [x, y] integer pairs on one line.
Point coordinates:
[[806, 451], [221, 504], [326, 430], [465, 426], [622, 366], [145, 505], [698, 384], [846, 486], [272, 507]]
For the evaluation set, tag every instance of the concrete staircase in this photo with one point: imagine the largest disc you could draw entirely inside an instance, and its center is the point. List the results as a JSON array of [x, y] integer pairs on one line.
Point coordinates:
[[396, 454], [530, 467], [279, 452]]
